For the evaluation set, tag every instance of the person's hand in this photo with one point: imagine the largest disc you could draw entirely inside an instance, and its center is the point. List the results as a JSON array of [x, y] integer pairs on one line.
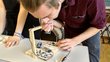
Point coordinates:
[[47, 24], [66, 44], [12, 41]]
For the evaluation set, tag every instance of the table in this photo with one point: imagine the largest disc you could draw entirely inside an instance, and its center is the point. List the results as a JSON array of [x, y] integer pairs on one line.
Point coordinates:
[[17, 53]]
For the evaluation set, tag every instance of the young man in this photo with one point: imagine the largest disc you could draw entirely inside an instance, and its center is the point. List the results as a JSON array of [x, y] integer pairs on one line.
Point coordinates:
[[2, 17], [82, 20]]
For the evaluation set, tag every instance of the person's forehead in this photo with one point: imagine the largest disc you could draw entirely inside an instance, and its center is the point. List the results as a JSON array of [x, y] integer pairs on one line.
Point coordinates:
[[42, 11]]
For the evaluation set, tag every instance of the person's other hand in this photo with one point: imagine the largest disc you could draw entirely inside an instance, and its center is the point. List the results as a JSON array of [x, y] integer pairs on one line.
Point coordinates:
[[12, 41], [66, 44]]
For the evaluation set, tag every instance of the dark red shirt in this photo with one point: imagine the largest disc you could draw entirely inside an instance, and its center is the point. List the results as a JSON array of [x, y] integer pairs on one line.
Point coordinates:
[[79, 15]]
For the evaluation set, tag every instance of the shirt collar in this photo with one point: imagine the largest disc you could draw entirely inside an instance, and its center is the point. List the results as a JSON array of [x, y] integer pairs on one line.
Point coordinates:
[[70, 2]]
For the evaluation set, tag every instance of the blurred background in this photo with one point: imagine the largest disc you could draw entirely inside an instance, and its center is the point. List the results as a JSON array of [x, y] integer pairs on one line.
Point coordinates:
[[105, 37]]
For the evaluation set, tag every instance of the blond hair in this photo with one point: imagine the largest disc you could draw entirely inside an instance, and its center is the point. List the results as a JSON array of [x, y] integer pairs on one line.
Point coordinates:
[[35, 4]]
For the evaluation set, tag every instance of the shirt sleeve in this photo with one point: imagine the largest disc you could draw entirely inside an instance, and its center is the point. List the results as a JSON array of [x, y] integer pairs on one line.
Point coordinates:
[[96, 13]]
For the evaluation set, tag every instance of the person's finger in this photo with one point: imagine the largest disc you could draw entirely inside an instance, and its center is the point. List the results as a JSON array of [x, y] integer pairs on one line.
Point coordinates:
[[51, 27], [63, 45], [66, 48], [13, 43], [69, 49], [61, 42], [48, 27], [8, 44], [44, 21], [17, 42], [45, 27]]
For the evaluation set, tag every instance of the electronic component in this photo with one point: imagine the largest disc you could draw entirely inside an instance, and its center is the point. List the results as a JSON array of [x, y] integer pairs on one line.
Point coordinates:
[[44, 53]]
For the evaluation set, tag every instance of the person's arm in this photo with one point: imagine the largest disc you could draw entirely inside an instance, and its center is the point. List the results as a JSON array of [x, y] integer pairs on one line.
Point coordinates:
[[97, 15], [2, 16], [14, 40], [86, 34], [68, 43], [21, 19]]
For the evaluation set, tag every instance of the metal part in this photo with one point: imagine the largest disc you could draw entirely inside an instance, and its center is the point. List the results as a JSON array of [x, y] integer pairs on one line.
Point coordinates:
[[44, 53]]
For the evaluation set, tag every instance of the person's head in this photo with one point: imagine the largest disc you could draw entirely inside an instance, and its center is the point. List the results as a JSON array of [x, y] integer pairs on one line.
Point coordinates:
[[42, 8]]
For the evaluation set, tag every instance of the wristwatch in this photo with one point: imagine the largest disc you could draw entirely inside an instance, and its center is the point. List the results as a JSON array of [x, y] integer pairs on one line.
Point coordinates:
[[19, 35]]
